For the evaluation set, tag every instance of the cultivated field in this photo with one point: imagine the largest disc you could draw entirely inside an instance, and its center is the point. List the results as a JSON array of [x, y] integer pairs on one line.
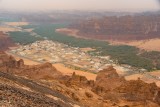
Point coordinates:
[[86, 49], [8, 29], [72, 32], [16, 23]]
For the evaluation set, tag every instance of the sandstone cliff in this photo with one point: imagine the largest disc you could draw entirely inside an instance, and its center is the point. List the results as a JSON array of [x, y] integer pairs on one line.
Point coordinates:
[[137, 27], [5, 41]]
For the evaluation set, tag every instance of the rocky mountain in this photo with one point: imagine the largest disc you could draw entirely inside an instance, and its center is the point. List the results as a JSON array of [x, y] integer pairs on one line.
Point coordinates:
[[135, 27], [5, 41], [10, 65], [132, 93], [108, 75], [42, 85]]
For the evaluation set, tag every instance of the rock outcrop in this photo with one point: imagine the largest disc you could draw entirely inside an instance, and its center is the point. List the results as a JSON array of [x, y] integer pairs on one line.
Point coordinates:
[[77, 80], [135, 93], [10, 65], [43, 71], [10, 61], [139, 91], [107, 80]]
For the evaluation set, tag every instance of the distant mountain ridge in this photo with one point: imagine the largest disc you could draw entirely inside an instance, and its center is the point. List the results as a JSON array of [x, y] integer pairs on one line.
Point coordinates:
[[135, 27]]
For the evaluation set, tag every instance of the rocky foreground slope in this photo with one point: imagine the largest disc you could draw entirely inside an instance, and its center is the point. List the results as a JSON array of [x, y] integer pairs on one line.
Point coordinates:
[[44, 86]]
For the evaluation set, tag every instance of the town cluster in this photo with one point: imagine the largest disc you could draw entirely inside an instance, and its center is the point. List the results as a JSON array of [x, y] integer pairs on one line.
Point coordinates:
[[54, 52]]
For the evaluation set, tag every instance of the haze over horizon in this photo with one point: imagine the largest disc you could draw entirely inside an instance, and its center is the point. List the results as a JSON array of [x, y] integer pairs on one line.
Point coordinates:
[[111, 5]]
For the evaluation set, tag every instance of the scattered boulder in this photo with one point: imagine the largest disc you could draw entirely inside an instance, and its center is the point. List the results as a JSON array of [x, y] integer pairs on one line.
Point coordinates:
[[89, 95]]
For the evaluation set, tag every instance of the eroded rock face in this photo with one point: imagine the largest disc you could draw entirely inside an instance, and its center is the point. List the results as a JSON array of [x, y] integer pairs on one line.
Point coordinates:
[[135, 93], [5, 41], [20, 63], [42, 71], [107, 80], [137, 27], [78, 80], [139, 91], [112, 87], [10, 62]]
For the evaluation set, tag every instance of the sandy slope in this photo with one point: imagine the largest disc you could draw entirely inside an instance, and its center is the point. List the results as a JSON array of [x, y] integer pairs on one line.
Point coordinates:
[[149, 45], [68, 71]]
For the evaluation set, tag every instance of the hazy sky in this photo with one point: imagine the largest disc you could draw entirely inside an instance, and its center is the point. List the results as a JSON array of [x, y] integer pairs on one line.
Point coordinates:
[[127, 5]]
